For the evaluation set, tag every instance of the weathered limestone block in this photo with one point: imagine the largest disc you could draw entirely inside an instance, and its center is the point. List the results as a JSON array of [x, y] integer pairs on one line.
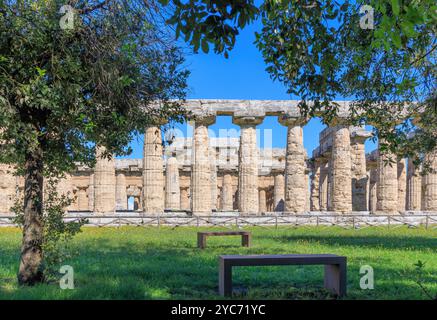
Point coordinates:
[[359, 174], [248, 202], [341, 187], [430, 183], [172, 189], [262, 201], [104, 183], [227, 193], [121, 195], [414, 187], [387, 185], [315, 186], [153, 177], [82, 199], [323, 186], [201, 169], [402, 184], [296, 187], [279, 192]]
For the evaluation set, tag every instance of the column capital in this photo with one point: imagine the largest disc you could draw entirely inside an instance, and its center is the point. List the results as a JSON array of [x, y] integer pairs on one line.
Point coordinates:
[[337, 121], [247, 121], [203, 120], [287, 120]]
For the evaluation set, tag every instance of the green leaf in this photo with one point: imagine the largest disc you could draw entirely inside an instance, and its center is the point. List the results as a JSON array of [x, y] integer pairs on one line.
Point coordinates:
[[395, 7], [205, 46], [396, 38]]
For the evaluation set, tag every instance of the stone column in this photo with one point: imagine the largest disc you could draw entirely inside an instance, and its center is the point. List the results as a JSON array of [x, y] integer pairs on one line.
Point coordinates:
[[104, 183], [227, 193], [201, 168], [91, 192], [278, 192], [185, 201], [296, 188], [213, 163], [373, 179], [153, 177], [414, 187], [387, 185], [341, 182], [315, 186], [430, 183], [121, 194], [7, 188], [402, 184], [248, 202], [262, 201], [323, 186], [359, 172], [172, 188]]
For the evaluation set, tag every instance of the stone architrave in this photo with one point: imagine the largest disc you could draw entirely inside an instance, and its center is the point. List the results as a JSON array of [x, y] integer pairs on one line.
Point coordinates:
[[248, 197], [414, 187], [296, 187], [201, 168], [430, 183], [387, 184], [278, 192], [227, 193], [172, 189], [153, 177], [402, 184], [341, 179], [121, 194], [104, 183]]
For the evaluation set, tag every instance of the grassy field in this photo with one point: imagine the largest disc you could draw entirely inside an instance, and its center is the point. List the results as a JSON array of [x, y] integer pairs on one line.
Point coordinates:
[[147, 263]]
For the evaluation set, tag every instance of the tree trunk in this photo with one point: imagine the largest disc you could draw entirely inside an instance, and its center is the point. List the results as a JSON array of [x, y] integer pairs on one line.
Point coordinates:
[[31, 267]]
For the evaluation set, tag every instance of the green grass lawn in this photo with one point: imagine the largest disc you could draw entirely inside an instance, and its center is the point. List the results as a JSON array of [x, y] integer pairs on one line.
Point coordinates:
[[151, 263]]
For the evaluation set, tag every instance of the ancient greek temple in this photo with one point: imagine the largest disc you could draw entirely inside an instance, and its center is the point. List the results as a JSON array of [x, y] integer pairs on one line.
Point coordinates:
[[206, 176]]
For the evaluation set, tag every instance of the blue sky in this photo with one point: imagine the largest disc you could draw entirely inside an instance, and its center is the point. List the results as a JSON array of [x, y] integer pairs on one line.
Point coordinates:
[[241, 76]]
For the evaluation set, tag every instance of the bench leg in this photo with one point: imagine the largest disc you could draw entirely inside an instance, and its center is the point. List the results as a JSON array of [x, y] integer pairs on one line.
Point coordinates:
[[335, 279], [225, 279], [201, 241], [245, 240]]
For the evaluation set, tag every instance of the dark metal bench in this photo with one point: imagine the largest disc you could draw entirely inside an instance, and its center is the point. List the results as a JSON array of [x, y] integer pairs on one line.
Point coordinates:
[[245, 237], [335, 268]]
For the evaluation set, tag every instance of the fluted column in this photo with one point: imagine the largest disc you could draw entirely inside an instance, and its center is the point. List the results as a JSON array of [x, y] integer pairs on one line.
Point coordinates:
[[121, 194], [262, 201], [172, 188], [227, 193], [296, 188], [414, 187], [359, 172], [323, 186], [387, 185], [430, 183], [153, 177], [341, 179], [279, 192], [373, 180], [213, 163], [104, 183], [185, 201], [248, 198], [201, 168], [315, 186], [402, 184]]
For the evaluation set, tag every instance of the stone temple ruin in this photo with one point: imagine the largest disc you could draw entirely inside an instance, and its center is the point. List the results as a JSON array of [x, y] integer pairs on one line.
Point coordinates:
[[204, 176]]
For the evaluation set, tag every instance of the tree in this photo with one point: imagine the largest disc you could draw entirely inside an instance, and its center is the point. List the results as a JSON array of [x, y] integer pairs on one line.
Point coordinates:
[[380, 53], [67, 88]]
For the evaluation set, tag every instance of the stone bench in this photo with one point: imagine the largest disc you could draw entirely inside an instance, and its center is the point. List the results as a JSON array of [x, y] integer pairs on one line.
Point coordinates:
[[245, 237], [335, 268]]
